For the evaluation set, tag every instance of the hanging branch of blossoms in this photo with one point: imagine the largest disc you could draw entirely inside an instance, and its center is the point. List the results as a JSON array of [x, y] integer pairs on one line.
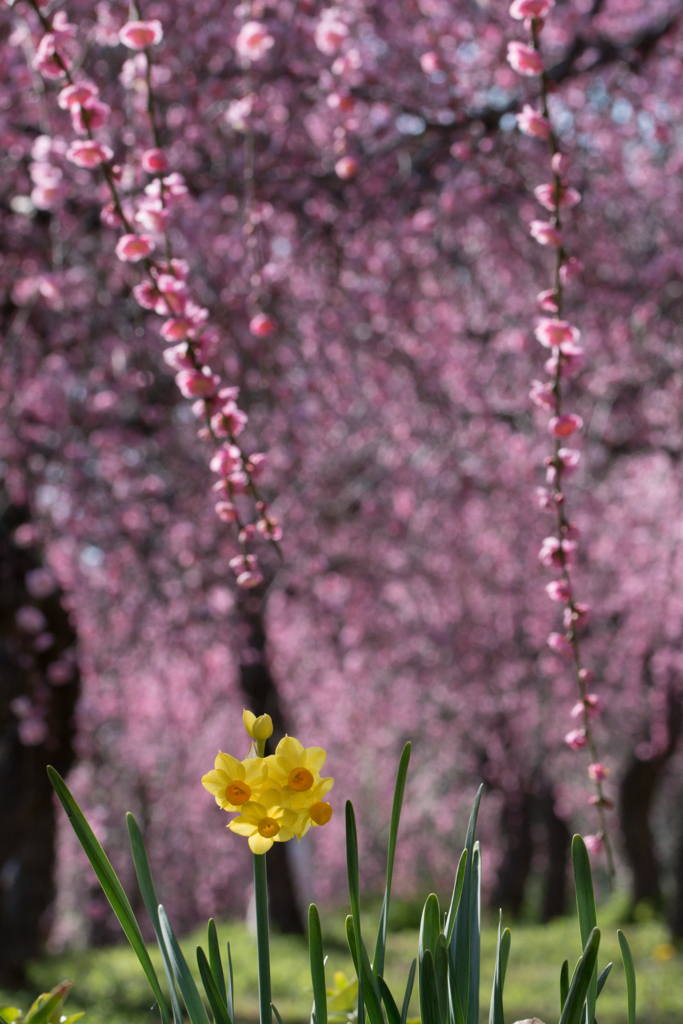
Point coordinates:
[[165, 288], [566, 359]]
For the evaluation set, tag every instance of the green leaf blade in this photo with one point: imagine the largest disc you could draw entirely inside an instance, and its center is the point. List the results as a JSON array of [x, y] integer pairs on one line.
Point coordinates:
[[630, 971], [111, 885]]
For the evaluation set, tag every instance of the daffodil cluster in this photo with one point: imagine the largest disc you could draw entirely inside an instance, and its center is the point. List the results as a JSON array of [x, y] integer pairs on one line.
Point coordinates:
[[276, 797]]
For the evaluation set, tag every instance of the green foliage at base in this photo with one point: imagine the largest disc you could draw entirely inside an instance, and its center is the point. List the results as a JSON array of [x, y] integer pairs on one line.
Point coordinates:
[[110, 987]]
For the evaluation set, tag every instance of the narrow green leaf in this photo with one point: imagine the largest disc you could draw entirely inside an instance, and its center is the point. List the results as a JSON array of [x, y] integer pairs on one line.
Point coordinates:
[[630, 972], [457, 891], [604, 976], [9, 1013], [216, 1000], [441, 971], [231, 987], [505, 944], [186, 984], [460, 942], [475, 938], [430, 926], [585, 903], [111, 886], [352, 865], [429, 999], [408, 992], [370, 989], [393, 1013], [502, 952], [149, 898], [351, 939], [455, 1001], [315, 949], [277, 1013], [215, 960], [564, 984], [399, 790], [571, 1012]]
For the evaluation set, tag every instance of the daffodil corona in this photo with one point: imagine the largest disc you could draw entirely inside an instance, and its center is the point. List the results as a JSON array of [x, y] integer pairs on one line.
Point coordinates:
[[278, 797]]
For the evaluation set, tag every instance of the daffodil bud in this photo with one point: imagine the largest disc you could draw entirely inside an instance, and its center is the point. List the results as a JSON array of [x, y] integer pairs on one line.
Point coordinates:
[[260, 728]]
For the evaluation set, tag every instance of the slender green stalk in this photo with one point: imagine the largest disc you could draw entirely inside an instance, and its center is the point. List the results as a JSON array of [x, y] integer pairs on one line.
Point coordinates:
[[261, 898]]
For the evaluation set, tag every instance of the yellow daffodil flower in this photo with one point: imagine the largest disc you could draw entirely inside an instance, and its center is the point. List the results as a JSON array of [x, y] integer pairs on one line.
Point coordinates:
[[311, 807], [294, 767], [233, 783], [260, 728], [265, 821]]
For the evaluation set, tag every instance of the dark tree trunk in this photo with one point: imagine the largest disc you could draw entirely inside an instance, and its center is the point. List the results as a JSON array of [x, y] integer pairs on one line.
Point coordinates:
[[676, 913], [636, 794], [516, 836], [262, 697], [39, 685], [558, 842]]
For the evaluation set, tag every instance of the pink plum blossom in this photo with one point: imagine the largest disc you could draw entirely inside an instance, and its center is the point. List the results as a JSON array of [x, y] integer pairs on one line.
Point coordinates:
[[591, 703], [78, 93], [559, 590], [594, 844], [524, 59], [545, 233], [154, 161], [543, 395], [132, 248], [138, 35], [597, 772], [547, 195], [253, 41], [330, 33], [346, 167], [576, 739], [531, 122], [577, 617], [197, 383], [521, 9], [89, 115], [559, 643], [88, 153], [553, 332], [565, 425], [261, 325]]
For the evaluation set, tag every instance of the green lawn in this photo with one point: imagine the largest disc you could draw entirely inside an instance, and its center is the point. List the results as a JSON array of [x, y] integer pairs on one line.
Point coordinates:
[[110, 987]]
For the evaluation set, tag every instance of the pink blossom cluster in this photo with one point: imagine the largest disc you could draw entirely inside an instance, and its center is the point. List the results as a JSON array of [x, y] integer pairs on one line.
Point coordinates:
[[566, 358], [164, 289]]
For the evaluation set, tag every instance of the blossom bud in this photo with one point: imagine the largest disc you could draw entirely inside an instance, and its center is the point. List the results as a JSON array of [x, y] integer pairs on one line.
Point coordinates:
[[346, 167], [594, 844], [597, 772], [262, 325], [576, 739], [260, 728], [558, 643]]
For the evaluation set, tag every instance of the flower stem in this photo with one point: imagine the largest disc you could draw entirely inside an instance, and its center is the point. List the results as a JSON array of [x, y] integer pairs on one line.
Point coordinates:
[[261, 898]]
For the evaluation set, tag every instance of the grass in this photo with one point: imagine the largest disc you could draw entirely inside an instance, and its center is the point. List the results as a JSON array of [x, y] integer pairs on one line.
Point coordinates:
[[110, 987]]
